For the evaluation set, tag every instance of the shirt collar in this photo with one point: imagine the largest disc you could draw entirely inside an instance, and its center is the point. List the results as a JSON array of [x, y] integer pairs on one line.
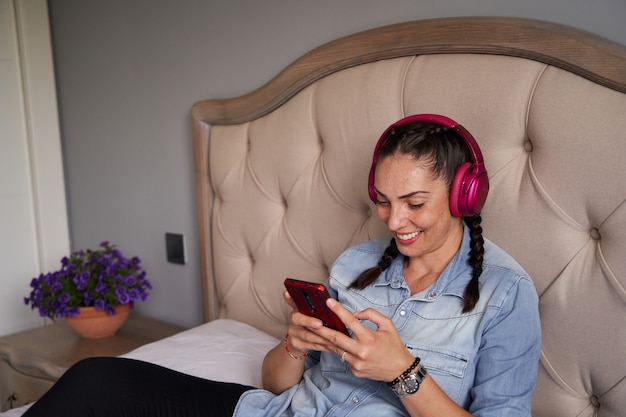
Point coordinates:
[[454, 273]]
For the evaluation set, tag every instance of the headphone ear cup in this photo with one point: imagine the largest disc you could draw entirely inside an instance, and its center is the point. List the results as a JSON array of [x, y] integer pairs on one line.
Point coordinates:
[[468, 191], [457, 197]]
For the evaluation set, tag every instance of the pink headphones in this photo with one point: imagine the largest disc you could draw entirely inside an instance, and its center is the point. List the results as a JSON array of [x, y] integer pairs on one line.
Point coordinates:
[[470, 185]]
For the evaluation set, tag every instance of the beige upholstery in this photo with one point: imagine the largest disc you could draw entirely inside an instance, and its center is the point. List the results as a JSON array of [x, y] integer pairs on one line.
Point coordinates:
[[286, 193]]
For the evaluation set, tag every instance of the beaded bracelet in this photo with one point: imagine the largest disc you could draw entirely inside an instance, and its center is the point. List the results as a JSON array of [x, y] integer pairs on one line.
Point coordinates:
[[406, 373], [301, 357]]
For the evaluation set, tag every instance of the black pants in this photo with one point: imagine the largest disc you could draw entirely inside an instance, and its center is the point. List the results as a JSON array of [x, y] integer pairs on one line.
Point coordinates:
[[119, 387]]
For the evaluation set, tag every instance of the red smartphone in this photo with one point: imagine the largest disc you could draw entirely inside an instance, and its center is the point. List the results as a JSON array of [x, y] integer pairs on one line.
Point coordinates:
[[310, 298]]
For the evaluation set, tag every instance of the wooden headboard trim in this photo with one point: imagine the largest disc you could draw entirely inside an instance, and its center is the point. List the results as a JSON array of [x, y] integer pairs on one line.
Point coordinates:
[[204, 198], [582, 53]]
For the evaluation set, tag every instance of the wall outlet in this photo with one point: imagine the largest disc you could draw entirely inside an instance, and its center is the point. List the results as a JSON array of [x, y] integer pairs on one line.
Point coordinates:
[[175, 248]]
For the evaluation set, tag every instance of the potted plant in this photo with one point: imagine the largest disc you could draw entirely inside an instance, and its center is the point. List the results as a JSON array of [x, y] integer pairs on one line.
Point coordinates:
[[92, 288]]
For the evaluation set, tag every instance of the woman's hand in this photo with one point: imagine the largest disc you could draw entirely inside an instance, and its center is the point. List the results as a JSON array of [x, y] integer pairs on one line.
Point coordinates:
[[381, 355], [302, 331], [375, 354]]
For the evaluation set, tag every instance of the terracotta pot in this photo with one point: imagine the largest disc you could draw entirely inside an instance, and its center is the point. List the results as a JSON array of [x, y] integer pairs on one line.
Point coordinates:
[[97, 324]]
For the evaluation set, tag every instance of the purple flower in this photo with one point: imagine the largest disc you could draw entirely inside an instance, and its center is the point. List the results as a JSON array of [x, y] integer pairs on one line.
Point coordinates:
[[81, 279], [123, 298], [50, 279], [101, 288], [133, 293], [64, 298], [118, 280], [130, 281], [99, 304]]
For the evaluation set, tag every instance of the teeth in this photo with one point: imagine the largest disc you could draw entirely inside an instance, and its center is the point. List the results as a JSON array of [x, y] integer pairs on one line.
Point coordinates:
[[408, 236]]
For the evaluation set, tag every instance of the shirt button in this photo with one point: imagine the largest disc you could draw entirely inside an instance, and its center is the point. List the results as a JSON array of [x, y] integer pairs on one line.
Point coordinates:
[[403, 313], [433, 295], [355, 399]]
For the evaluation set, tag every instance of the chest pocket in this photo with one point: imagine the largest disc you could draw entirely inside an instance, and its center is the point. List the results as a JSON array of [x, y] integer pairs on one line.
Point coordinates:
[[448, 369]]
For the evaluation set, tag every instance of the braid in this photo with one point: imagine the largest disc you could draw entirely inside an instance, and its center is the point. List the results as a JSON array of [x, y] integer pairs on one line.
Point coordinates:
[[477, 251], [368, 276]]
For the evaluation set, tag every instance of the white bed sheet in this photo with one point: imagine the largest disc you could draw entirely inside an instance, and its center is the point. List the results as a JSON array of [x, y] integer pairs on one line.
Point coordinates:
[[221, 350]]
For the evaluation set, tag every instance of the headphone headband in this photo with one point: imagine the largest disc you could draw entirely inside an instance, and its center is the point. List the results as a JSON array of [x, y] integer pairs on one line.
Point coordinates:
[[474, 185]]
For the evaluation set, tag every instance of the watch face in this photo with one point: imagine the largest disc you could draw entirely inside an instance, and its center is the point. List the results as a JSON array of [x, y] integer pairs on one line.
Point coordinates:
[[411, 384], [401, 388]]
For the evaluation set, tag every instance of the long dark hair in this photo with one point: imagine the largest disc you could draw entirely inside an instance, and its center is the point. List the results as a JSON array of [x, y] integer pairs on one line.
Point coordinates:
[[444, 151]]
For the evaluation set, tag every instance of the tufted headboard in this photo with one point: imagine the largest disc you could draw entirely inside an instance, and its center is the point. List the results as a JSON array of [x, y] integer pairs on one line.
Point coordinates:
[[281, 177]]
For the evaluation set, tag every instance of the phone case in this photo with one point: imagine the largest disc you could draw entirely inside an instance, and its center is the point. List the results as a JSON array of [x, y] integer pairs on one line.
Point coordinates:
[[310, 298]]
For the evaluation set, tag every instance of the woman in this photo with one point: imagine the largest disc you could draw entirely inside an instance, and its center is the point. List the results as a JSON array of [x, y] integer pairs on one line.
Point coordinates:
[[442, 322]]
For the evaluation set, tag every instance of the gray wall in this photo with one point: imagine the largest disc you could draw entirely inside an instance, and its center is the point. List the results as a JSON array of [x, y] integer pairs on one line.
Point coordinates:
[[128, 72]]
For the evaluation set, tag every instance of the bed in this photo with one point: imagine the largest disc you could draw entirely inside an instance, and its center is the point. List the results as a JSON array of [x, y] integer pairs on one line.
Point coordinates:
[[281, 187]]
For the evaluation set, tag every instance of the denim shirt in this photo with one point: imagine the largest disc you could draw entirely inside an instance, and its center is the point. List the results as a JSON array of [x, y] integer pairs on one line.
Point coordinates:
[[485, 360]]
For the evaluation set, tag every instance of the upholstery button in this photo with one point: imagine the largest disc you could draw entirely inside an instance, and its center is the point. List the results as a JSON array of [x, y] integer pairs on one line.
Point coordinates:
[[595, 401], [595, 233], [528, 146]]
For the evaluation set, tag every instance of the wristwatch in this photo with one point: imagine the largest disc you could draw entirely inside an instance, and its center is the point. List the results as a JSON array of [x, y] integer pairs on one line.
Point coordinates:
[[409, 382]]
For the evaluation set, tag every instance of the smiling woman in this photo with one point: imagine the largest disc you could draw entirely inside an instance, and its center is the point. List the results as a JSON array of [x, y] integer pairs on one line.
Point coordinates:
[[436, 263]]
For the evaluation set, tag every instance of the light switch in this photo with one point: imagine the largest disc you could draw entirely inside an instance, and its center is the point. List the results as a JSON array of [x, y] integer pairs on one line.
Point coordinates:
[[175, 247]]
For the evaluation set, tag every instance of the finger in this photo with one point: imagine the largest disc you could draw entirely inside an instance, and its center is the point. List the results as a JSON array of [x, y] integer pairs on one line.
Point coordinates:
[[345, 316], [302, 320], [381, 321], [304, 337], [298, 318], [289, 300]]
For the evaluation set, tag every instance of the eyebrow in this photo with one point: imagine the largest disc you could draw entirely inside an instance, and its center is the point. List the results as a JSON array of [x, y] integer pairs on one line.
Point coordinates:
[[409, 195]]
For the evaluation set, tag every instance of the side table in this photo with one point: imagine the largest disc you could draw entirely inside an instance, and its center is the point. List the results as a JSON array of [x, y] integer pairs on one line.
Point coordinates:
[[32, 360]]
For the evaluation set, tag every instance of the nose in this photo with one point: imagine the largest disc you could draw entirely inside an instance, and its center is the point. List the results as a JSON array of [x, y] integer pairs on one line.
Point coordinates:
[[396, 218]]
